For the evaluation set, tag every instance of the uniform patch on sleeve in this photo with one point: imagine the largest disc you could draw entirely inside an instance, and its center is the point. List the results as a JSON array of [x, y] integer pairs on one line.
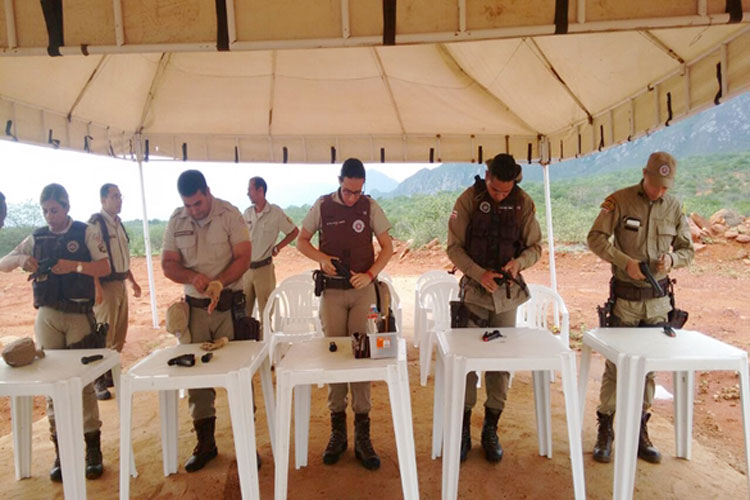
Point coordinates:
[[454, 215], [608, 205]]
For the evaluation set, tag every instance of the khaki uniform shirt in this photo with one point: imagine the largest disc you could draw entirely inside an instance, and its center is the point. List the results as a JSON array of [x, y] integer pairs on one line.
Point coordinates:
[[205, 246], [118, 244], [474, 292], [643, 230], [25, 249], [265, 227], [378, 221]]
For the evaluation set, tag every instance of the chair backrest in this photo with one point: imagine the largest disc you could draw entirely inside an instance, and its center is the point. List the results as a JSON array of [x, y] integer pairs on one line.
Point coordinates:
[[291, 309], [431, 276], [545, 309], [305, 277], [395, 301], [435, 297]]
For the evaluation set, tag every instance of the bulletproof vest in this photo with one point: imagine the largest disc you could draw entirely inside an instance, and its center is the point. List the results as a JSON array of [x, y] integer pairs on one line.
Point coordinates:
[[346, 232], [51, 289], [493, 236]]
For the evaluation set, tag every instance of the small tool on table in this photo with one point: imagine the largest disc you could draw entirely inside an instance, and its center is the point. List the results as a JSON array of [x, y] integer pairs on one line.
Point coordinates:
[[89, 359], [491, 335]]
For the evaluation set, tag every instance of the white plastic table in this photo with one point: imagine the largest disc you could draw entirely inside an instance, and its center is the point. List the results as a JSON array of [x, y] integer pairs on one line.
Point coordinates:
[[311, 362], [61, 376], [231, 367], [462, 350], [637, 351]]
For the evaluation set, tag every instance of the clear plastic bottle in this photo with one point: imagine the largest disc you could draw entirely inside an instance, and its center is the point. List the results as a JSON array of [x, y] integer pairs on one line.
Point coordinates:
[[372, 319]]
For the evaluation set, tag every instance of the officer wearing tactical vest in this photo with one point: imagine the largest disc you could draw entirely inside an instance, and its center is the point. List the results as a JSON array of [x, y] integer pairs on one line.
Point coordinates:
[[647, 225], [113, 309], [207, 249], [492, 228], [265, 221], [347, 220], [64, 258]]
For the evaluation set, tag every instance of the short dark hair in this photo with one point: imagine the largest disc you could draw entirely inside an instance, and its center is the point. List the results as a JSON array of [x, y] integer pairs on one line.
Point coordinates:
[[104, 190], [190, 182], [56, 193], [258, 182], [352, 168], [503, 167]]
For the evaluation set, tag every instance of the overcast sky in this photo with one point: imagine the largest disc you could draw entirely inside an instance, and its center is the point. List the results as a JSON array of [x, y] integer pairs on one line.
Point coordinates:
[[27, 169]]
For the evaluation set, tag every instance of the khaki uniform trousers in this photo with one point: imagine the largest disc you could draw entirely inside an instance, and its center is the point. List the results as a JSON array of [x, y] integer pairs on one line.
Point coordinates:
[[496, 383], [114, 311], [630, 314], [54, 329], [206, 327], [343, 312], [258, 284]]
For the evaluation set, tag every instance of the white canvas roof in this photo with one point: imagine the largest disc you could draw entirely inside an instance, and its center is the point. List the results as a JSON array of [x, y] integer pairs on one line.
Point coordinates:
[[462, 76]]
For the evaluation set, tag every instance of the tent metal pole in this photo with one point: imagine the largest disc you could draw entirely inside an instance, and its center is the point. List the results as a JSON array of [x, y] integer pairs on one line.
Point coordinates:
[[146, 236], [550, 235]]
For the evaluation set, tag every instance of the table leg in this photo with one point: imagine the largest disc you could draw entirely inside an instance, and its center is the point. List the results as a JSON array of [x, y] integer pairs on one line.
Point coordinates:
[[452, 446], [69, 429], [170, 426], [398, 392], [240, 395], [447, 414], [425, 355], [683, 412], [268, 399], [568, 375], [437, 406], [745, 400], [541, 379], [125, 400], [302, 395], [21, 408], [283, 417], [583, 380], [630, 381]]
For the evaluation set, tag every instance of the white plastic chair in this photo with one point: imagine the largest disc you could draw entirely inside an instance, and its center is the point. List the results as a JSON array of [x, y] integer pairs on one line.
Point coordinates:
[[435, 297], [291, 315], [395, 302], [419, 310]]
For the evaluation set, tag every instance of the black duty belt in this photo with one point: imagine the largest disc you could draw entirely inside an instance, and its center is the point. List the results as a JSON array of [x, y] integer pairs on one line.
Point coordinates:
[[337, 283], [626, 291], [224, 304], [68, 306], [261, 263], [114, 277]]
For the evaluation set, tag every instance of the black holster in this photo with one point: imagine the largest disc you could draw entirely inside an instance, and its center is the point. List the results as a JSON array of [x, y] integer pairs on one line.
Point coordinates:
[[245, 327], [676, 317], [97, 339], [461, 315], [319, 280]]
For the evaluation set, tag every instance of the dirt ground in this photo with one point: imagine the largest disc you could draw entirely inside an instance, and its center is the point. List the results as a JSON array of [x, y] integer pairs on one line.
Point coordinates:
[[715, 290]]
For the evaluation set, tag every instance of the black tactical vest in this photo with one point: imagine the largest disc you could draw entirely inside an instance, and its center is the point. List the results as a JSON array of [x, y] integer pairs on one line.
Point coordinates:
[[346, 232], [493, 236], [54, 289]]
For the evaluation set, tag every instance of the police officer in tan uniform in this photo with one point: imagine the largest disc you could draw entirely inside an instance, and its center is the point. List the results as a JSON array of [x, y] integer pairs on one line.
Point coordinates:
[[113, 309], [492, 227], [347, 220], [206, 248], [641, 223], [265, 221], [64, 296]]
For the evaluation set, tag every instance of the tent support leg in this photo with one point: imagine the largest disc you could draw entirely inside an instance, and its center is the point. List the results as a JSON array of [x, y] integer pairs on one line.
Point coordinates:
[[550, 235], [146, 235]]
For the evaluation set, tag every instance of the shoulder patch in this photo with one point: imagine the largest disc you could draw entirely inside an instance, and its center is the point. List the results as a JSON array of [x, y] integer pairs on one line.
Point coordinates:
[[608, 205]]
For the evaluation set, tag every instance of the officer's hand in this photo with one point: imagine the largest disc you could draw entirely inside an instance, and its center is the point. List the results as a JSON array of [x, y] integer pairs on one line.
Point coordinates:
[[275, 250], [327, 266], [360, 280], [512, 267], [200, 282], [30, 265], [488, 280], [213, 290], [634, 271], [664, 265], [136, 289], [64, 266]]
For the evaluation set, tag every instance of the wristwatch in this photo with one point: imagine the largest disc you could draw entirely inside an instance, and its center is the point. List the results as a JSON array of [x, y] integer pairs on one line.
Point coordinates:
[[79, 267]]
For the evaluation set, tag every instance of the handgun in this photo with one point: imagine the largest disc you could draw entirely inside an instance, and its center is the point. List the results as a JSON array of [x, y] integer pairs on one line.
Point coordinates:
[[183, 360], [45, 267], [643, 266], [341, 269]]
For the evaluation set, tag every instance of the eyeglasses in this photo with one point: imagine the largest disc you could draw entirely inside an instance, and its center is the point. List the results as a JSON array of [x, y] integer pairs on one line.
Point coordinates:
[[350, 192]]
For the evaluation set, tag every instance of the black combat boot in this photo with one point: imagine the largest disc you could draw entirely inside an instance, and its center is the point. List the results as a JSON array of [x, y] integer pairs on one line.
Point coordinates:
[[94, 465], [646, 450], [466, 435], [55, 473], [363, 449], [493, 452], [205, 450], [100, 386], [604, 438], [337, 442]]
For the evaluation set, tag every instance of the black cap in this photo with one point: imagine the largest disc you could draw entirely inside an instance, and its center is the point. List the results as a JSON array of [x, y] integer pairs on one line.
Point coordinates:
[[503, 167]]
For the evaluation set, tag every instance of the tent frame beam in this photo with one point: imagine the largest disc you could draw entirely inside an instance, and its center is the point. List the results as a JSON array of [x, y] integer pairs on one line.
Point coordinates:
[[10, 24]]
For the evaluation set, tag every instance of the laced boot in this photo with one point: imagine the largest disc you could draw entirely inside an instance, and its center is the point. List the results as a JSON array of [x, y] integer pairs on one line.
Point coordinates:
[[363, 449], [466, 435], [493, 452], [646, 450], [604, 438], [337, 442], [205, 450], [55, 473], [94, 465]]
